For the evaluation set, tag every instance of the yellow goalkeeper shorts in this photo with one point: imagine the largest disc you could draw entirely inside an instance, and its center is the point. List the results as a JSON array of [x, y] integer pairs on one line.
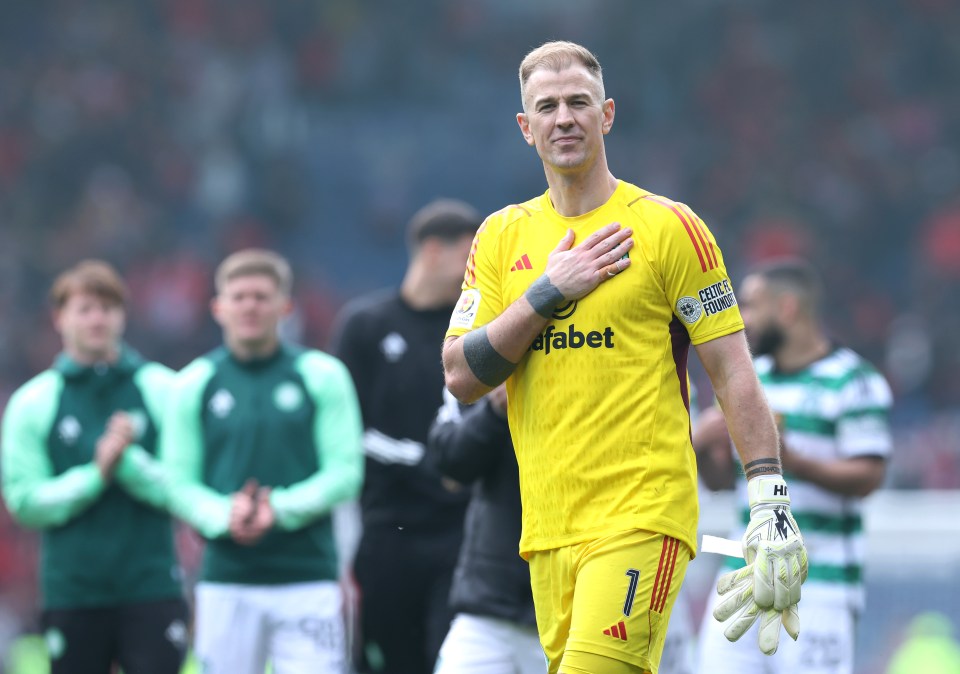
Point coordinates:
[[611, 596]]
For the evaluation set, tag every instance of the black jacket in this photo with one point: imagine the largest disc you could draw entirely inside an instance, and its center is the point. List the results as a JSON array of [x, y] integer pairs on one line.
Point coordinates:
[[393, 353], [471, 444]]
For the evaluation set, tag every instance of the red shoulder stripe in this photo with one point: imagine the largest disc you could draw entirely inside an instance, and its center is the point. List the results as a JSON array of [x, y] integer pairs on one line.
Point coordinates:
[[680, 216], [704, 237]]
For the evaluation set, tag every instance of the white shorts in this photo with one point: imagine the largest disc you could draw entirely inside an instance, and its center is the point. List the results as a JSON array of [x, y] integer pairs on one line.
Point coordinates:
[[297, 628], [480, 645], [825, 645]]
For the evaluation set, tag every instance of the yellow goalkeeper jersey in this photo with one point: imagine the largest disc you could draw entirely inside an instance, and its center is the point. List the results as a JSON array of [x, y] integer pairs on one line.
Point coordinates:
[[599, 406]]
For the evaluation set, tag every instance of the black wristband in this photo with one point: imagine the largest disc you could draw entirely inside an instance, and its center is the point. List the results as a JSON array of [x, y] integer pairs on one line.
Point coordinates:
[[543, 296], [484, 361]]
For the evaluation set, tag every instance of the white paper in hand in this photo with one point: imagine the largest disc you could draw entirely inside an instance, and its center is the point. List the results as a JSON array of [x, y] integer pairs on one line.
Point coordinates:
[[721, 546]]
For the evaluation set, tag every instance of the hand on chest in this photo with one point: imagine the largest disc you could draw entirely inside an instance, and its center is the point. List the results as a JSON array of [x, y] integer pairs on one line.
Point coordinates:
[[632, 295]]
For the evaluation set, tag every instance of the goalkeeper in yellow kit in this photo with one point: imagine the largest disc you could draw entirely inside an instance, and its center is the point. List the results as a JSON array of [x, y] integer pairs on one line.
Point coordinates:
[[585, 300]]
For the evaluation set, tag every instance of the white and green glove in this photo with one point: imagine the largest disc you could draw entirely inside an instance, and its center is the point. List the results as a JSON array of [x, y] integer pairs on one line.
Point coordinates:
[[768, 587]]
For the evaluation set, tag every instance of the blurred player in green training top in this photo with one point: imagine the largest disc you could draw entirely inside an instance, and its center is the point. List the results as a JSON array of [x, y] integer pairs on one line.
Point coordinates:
[[78, 463], [263, 441]]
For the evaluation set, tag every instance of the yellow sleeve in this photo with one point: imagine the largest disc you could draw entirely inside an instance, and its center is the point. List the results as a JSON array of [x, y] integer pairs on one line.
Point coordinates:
[[695, 279], [481, 299]]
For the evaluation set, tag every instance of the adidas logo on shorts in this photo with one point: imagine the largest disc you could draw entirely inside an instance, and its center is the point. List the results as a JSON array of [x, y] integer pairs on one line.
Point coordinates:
[[618, 631]]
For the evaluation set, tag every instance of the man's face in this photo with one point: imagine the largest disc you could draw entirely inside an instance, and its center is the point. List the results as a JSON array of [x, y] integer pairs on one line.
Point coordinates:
[[565, 117], [249, 309], [759, 308], [90, 326]]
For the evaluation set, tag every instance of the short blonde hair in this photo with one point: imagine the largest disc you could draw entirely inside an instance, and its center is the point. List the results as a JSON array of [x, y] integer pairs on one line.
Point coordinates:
[[255, 262], [95, 277], [558, 55]]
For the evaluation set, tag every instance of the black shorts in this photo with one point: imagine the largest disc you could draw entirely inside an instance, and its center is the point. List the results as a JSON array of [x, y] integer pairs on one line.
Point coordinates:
[[405, 609], [142, 638]]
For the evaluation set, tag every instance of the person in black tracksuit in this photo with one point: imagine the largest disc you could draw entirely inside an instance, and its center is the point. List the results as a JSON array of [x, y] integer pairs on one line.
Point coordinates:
[[412, 522], [494, 631]]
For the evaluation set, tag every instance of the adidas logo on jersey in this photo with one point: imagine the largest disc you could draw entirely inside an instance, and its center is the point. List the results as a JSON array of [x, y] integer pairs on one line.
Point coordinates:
[[552, 339], [618, 631], [522, 263]]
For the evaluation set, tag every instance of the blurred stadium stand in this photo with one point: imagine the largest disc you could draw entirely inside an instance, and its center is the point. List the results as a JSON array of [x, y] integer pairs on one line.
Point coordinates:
[[163, 134]]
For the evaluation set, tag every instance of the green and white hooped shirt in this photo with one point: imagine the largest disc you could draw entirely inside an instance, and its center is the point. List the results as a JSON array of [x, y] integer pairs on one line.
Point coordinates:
[[836, 408]]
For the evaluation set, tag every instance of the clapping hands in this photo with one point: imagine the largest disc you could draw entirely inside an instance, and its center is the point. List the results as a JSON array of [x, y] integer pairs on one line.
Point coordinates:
[[251, 515], [110, 446]]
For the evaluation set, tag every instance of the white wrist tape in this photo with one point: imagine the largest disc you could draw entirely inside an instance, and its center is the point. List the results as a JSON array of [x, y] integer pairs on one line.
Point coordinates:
[[768, 489]]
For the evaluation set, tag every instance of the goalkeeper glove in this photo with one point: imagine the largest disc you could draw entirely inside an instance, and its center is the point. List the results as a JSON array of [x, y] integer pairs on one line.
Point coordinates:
[[739, 608], [776, 568]]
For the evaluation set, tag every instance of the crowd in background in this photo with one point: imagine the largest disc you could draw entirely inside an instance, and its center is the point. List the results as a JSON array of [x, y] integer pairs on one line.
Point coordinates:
[[162, 134]]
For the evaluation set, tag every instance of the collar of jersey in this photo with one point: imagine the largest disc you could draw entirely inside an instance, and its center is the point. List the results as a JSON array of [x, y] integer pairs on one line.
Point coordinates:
[[128, 362], [258, 363], [576, 219]]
